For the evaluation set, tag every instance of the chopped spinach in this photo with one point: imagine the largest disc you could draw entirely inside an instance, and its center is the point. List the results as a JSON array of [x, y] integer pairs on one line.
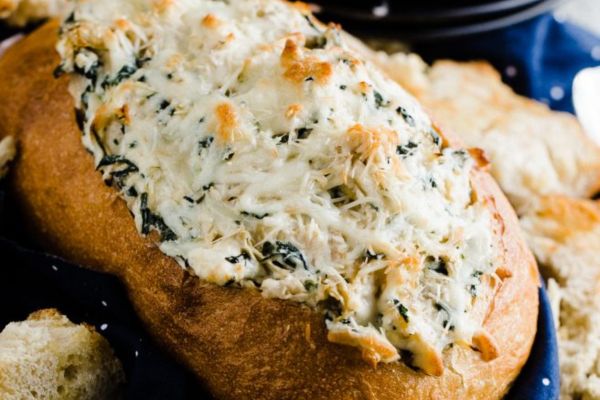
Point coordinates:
[[125, 72], [243, 256], [446, 321], [228, 155], [316, 42], [370, 256], [379, 101], [205, 143], [332, 307], [437, 264], [90, 71], [405, 150], [132, 192], [151, 220], [402, 310], [164, 104], [139, 62], [303, 133], [435, 137], [254, 215], [283, 138], [283, 255], [80, 118], [112, 159], [407, 117], [311, 23], [71, 18]]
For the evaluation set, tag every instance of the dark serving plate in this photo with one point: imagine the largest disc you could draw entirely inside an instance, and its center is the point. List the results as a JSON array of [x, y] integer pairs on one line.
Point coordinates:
[[421, 12], [429, 20]]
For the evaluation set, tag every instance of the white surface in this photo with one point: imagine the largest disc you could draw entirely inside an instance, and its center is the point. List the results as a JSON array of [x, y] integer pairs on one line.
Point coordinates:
[[586, 85], [586, 98], [583, 12]]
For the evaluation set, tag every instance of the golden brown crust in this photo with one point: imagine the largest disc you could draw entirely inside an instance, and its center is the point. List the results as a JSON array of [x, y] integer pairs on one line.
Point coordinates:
[[240, 344]]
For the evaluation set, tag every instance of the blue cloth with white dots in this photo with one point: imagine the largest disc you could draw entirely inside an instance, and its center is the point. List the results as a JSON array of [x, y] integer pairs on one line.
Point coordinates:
[[538, 58], [539, 379]]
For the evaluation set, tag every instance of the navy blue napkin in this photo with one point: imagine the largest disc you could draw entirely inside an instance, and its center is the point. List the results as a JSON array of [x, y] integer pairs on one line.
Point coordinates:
[[539, 379]]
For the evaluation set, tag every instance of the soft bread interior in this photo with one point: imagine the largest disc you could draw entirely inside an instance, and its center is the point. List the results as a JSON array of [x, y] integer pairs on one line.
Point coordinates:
[[49, 357]]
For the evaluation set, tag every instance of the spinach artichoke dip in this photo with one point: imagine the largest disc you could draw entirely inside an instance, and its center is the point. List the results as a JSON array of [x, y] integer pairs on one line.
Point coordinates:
[[265, 154]]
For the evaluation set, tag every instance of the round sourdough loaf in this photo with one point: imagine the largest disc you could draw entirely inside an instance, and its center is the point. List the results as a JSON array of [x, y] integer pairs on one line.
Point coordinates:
[[239, 344]]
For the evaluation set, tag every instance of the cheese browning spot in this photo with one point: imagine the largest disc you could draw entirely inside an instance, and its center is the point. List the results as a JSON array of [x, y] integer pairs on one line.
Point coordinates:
[[210, 21], [374, 350], [293, 110], [258, 150], [486, 344], [163, 5], [368, 143], [227, 124], [300, 68]]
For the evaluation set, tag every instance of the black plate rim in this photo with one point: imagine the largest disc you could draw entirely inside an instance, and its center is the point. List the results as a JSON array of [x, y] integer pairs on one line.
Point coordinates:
[[451, 32], [450, 14]]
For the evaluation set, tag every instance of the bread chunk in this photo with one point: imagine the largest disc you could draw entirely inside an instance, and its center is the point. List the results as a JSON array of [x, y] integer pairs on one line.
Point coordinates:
[[564, 234], [49, 357]]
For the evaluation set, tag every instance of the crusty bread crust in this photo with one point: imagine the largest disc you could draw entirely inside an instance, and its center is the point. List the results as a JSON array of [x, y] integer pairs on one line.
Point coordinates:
[[239, 344]]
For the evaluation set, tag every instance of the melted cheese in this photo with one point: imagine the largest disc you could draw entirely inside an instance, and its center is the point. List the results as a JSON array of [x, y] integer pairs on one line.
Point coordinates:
[[268, 155]]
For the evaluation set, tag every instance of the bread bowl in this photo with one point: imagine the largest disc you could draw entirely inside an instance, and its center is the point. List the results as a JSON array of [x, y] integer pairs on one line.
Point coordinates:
[[241, 339]]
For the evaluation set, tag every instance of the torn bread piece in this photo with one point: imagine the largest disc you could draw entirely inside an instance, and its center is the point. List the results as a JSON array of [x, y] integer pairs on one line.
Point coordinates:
[[564, 234], [533, 150], [49, 357]]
